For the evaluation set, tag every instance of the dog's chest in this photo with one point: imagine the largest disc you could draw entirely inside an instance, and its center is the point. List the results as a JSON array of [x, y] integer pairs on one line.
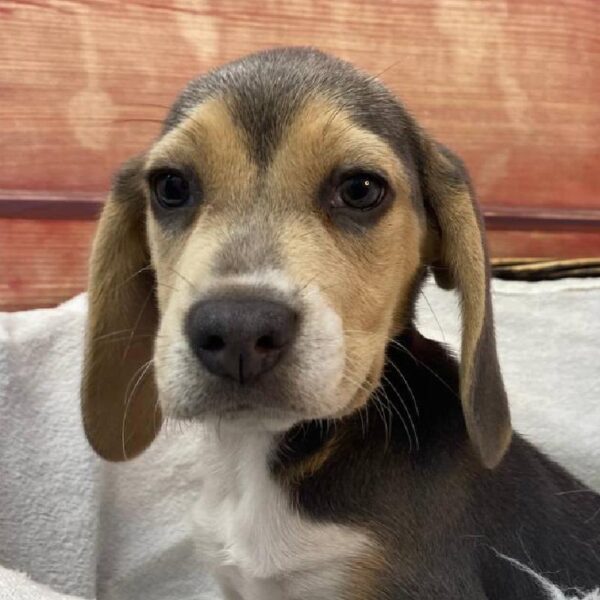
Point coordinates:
[[258, 546]]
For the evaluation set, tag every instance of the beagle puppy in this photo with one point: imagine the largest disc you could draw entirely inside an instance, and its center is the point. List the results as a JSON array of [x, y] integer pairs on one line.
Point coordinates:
[[255, 273]]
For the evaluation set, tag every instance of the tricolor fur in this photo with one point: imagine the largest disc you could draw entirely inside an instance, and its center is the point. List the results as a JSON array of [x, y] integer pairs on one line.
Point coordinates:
[[364, 462]]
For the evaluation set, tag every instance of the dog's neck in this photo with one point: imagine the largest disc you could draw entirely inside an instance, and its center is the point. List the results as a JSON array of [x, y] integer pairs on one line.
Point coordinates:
[[376, 475], [283, 503], [417, 395], [414, 418]]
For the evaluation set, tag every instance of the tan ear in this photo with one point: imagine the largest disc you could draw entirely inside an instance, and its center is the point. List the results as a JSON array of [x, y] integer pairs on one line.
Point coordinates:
[[462, 263], [121, 415]]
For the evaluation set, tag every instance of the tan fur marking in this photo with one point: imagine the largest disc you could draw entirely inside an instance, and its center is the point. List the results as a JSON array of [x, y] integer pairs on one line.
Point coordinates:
[[210, 142], [294, 474], [120, 413], [365, 278], [462, 252]]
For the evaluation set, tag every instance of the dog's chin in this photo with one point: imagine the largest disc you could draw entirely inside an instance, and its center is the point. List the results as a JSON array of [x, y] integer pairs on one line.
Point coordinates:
[[246, 416]]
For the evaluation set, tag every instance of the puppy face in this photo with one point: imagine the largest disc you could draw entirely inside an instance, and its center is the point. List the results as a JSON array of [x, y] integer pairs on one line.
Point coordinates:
[[270, 243], [325, 226]]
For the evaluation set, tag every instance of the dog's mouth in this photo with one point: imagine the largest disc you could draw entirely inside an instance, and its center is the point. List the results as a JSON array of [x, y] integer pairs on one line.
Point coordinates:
[[300, 389], [275, 405], [277, 401]]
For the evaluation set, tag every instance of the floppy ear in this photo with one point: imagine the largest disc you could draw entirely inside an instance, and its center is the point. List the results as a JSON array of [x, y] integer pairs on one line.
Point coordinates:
[[118, 397], [462, 263]]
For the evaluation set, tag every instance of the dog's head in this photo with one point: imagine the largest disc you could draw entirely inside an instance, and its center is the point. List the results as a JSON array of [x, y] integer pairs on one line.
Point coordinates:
[[255, 262]]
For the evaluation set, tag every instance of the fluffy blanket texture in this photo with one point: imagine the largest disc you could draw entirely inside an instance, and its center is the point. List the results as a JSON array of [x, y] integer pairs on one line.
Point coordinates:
[[90, 529]]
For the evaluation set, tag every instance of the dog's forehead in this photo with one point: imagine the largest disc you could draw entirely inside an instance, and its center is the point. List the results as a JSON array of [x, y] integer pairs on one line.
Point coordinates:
[[264, 92]]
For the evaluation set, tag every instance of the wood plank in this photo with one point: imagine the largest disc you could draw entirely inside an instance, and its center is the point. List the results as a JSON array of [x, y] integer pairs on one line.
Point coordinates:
[[544, 244], [28, 204], [512, 86], [533, 218], [44, 262]]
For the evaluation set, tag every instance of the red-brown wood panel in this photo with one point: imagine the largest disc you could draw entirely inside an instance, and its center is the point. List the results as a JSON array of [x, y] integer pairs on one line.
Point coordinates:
[[512, 85], [42, 262], [548, 244]]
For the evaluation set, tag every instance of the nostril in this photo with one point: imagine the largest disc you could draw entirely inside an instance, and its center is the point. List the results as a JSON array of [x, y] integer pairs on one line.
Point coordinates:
[[266, 343], [212, 343]]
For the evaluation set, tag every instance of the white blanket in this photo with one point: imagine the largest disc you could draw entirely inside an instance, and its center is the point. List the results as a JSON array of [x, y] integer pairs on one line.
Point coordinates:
[[92, 529]]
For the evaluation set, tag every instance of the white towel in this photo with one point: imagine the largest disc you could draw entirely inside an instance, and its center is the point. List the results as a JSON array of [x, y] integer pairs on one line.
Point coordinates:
[[116, 532], [68, 519], [17, 586], [548, 342]]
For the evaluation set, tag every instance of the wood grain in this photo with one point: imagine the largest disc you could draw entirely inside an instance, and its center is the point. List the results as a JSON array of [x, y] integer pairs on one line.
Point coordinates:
[[42, 263], [543, 244], [512, 85]]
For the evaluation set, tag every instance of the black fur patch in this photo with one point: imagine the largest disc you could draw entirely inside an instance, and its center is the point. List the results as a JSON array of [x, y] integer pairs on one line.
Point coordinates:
[[443, 520]]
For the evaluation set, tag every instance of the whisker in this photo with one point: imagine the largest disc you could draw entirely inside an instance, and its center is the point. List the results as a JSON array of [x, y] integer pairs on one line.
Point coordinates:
[[397, 369], [401, 417], [144, 369], [138, 120], [184, 279], [154, 418], [144, 268], [112, 333], [116, 339], [593, 516], [434, 315], [378, 75], [136, 325], [568, 492], [400, 346], [378, 404]]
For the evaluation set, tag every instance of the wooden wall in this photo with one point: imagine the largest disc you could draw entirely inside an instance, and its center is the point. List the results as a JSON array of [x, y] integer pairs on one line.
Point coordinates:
[[512, 85]]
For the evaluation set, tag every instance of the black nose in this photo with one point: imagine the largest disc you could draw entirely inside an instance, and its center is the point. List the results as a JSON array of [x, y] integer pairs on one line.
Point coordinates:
[[240, 338]]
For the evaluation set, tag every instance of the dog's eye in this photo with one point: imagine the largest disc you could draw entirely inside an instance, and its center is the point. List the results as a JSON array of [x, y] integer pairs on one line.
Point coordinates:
[[171, 189], [362, 191]]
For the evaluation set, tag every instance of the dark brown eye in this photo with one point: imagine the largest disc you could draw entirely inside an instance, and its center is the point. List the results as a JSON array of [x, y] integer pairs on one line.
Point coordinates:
[[361, 191], [171, 190]]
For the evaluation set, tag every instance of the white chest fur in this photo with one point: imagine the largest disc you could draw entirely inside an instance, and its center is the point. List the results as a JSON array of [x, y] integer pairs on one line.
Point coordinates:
[[260, 547]]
